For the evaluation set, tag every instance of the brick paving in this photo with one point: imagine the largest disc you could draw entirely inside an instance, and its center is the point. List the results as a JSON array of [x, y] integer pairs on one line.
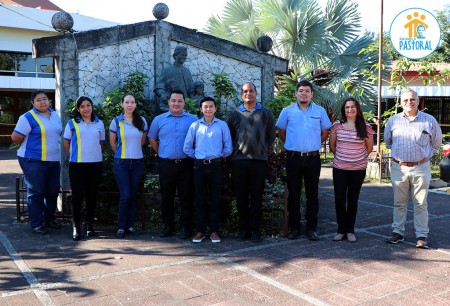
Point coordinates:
[[147, 270]]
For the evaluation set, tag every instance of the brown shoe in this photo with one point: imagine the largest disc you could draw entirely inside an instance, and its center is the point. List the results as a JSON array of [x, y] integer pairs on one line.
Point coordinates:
[[198, 237], [214, 237], [422, 243]]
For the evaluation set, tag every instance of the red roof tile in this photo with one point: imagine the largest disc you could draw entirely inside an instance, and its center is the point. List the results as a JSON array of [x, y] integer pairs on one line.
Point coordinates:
[[42, 4]]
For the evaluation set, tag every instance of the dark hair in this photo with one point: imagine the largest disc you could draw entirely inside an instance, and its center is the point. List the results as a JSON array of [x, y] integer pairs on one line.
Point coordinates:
[[34, 94], [207, 99], [137, 120], [179, 49], [304, 83], [177, 91], [360, 123], [242, 87], [76, 113]]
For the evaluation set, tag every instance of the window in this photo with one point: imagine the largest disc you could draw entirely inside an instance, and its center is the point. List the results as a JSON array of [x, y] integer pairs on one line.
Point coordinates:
[[24, 65]]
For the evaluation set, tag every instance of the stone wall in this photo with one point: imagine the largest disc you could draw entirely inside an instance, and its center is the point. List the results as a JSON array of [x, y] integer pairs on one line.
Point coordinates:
[[93, 63], [104, 69]]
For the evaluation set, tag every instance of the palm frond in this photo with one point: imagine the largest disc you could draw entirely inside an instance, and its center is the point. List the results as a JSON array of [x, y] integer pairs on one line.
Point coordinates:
[[342, 23], [237, 11]]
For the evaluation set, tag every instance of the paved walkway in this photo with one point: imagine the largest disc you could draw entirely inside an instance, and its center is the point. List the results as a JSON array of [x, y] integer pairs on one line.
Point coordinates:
[[54, 270]]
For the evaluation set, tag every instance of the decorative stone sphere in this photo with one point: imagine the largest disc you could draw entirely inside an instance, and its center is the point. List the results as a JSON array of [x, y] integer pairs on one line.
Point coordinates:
[[264, 43], [62, 22], [160, 11]]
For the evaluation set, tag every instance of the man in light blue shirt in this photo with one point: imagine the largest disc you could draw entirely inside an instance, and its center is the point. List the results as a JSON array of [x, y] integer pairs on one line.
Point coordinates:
[[303, 126], [166, 135], [209, 142]]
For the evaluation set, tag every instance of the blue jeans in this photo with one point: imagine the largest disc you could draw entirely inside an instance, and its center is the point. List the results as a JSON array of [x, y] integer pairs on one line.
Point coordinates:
[[42, 180], [128, 174]]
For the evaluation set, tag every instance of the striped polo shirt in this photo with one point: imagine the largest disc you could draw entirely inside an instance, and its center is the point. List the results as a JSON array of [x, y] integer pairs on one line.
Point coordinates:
[[85, 139], [351, 151], [41, 135], [128, 138]]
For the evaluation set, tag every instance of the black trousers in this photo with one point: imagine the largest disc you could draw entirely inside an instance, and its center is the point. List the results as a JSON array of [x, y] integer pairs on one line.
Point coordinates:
[[84, 181], [299, 170], [249, 177], [176, 178], [347, 186], [208, 189]]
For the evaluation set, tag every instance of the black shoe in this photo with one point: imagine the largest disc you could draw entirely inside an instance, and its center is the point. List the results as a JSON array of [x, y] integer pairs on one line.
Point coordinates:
[[53, 225], [243, 236], [120, 233], [132, 231], [41, 230], [256, 236], [294, 234], [395, 238], [76, 233], [312, 235], [185, 233], [89, 229]]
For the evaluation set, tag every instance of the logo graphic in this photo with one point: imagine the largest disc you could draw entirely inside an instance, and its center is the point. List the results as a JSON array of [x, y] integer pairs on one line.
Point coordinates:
[[415, 33]]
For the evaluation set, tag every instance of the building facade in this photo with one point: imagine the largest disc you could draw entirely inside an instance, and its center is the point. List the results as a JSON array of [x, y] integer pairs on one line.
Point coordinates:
[[20, 73]]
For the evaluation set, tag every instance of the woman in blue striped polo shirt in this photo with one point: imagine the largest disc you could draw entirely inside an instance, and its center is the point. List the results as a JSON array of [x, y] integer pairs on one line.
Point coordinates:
[[127, 136], [83, 139], [38, 132]]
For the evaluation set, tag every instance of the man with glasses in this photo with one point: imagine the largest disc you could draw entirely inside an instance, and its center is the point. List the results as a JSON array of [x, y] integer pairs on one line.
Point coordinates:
[[413, 138]]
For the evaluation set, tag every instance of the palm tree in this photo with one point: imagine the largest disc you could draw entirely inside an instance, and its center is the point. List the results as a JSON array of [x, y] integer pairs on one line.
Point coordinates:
[[322, 45]]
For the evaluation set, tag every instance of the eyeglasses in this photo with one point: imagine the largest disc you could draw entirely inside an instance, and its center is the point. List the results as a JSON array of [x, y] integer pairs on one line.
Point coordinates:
[[43, 100]]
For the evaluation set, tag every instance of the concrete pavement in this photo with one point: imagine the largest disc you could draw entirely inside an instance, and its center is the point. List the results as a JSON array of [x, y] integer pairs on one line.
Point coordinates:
[[147, 270]]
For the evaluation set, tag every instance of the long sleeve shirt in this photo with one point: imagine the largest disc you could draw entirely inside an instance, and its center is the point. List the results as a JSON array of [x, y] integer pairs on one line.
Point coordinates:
[[208, 141]]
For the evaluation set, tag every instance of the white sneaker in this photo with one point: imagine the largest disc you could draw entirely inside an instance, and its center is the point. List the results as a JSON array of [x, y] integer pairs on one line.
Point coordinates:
[[214, 237], [198, 237]]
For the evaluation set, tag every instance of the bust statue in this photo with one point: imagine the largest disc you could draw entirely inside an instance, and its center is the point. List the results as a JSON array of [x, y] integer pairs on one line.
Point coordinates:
[[174, 76]]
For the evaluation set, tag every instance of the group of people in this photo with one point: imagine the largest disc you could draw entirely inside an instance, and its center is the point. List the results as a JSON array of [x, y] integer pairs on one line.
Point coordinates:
[[192, 152]]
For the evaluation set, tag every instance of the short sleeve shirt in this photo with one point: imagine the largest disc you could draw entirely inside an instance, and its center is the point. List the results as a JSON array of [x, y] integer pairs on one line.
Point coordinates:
[[170, 131], [85, 139], [351, 151], [303, 127], [41, 134], [128, 138]]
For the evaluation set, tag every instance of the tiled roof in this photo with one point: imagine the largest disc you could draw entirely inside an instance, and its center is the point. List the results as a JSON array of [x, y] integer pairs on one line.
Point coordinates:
[[42, 4]]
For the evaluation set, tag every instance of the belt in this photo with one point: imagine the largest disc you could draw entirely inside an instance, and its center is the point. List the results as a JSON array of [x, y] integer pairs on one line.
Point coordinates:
[[294, 153], [210, 161], [176, 161], [411, 164]]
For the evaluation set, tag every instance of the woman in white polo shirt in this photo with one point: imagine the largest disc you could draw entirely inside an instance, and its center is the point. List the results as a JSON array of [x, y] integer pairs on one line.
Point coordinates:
[[127, 136], [38, 132], [83, 139]]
